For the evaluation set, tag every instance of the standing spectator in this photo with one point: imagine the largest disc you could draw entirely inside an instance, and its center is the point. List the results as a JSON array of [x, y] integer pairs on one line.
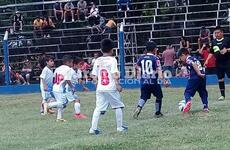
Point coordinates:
[[209, 60], [26, 71], [58, 10], [204, 37], [38, 24], [184, 43], [68, 8], [93, 17], [42, 61], [82, 9], [168, 57], [18, 21], [48, 26], [126, 3]]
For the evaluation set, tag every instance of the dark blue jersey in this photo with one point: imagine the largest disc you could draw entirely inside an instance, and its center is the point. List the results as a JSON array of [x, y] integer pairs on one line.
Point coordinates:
[[192, 73], [149, 64]]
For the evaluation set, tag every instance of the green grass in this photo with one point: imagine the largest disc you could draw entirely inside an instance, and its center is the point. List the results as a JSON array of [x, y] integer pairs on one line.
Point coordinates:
[[22, 127]]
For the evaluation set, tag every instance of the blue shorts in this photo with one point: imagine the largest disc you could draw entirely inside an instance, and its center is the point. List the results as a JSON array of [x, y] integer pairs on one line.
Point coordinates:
[[148, 89]]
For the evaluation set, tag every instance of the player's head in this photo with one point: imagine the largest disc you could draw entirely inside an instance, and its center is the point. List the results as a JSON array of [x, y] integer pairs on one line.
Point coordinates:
[[151, 47], [183, 54], [218, 32], [49, 60], [77, 62], [107, 46], [67, 60]]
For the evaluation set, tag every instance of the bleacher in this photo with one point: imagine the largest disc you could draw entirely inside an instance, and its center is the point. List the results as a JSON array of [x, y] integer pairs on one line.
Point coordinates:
[[163, 21]]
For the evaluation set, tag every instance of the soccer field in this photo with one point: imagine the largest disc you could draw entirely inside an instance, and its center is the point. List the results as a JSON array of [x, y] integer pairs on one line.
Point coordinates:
[[23, 128]]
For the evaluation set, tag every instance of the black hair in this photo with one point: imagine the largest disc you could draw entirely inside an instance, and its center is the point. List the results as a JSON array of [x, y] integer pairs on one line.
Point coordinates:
[[67, 58], [218, 28], [107, 45], [182, 51], [77, 60], [151, 46], [49, 57]]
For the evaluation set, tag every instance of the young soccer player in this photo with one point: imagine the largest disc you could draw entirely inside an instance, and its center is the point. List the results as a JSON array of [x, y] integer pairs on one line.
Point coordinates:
[[106, 73], [151, 77], [46, 82], [62, 77], [196, 82], [76, 75]]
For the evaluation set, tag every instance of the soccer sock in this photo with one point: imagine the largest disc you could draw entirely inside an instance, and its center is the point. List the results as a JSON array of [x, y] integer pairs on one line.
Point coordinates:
[[60, 112], [158, 105], [222, 88], [41, 107], [95, 119], [119, 117], [54, 105], [77, 106], [141, 103]]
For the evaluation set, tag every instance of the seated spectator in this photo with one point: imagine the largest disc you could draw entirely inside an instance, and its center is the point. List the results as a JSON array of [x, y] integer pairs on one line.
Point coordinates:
[[82, 10], [209, 60], [38, 24], [204, 37], [27, 71], [18, 21], [110, 25], [48, 26], [100, 26], [93, 17], [122, 3], [68, 9], [184, 43], [58, 10], [168, 57]]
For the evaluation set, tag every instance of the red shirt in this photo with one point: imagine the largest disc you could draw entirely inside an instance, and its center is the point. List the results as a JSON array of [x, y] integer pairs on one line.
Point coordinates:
[[212, 60]]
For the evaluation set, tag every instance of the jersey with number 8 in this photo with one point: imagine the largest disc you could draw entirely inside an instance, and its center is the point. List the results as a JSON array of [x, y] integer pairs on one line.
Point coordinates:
[[103, 68], [61, 75]]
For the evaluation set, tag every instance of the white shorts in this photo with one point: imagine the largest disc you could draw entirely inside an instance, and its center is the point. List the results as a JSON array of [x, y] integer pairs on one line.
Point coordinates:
[[46, 95], [104, 99], [60, 97], [70, 96]]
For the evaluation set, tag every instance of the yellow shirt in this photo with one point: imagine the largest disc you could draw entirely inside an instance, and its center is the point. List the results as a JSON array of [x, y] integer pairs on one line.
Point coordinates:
[[111, 24], [38, 23]]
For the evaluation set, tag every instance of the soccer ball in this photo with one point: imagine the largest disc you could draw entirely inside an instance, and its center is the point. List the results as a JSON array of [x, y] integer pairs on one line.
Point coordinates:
[[181, 105]]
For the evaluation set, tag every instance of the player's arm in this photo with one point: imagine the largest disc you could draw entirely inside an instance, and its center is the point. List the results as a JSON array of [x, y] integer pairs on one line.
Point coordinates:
[[195, 67], [45, 86], [94, 73], [81, 82], [115, 75], [207, 60]]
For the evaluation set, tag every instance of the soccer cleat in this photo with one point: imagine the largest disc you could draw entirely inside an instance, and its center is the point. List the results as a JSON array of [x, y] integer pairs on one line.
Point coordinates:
[[45, 105], [61, 120], [80, 116], [95, 132], [187, 107], [221, 98], [206, 110], [158, 115], [122, 129], [137, 112]]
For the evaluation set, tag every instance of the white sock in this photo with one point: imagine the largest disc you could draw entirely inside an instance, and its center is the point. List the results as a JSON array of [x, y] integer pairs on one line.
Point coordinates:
[[54, 104], [60, 111], [119, 117], [95, 119], [77, 106]]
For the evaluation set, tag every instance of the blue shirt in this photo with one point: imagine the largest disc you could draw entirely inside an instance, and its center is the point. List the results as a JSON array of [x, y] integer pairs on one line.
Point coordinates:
[[149, 64], [192, 73]]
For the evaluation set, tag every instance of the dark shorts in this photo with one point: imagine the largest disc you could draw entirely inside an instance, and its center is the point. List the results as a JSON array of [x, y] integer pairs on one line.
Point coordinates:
[[210, 71], [148, 89], [222, 70]]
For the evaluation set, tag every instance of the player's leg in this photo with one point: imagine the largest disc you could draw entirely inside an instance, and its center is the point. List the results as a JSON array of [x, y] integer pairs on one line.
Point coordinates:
[[117, 104], [145, 95], [203, 94], [157, 92], [101, 107], [189, 92], [220, 75]]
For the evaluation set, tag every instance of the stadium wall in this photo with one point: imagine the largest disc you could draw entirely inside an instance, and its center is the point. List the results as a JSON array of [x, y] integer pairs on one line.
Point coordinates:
[[127, 84]]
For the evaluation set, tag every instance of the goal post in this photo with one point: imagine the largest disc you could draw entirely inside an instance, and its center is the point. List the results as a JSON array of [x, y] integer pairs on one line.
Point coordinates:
[[6, 58]]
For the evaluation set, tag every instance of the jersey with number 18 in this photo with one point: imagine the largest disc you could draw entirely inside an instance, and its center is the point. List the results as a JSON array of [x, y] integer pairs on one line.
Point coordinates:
[[103, 69]]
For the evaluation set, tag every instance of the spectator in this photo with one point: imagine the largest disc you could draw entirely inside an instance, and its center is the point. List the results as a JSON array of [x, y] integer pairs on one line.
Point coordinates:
[[95, 56], [122, 3], [110, 25], [209, 60], [18, 21], [168, 57], [38, 24], [48, 26], [184, 43], [182, 71], [42, 61], [93, 17], [82, 9], [100, 26], [58, 10], [68, 8], [27, 71], [204, 37]]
